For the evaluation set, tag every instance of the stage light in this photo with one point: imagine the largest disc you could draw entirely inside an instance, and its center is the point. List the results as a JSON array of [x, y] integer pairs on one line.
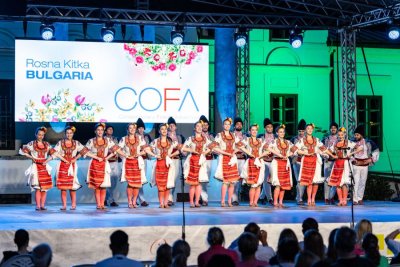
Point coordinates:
[[394, 33], [177, 35], [296, 38], [47, 31], [241, 38], [107, 33]]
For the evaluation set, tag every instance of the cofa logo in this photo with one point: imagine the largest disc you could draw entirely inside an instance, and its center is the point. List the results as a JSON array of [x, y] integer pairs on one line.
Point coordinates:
[[151, 99]]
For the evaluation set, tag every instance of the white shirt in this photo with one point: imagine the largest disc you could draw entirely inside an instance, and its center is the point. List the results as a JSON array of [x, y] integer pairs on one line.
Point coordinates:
[[119, 261], [262, 253]]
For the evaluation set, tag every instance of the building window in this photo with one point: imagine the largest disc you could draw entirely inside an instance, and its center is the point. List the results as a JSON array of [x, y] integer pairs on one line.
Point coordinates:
[[284, 111], [369, 114], [7, 123], [211, 112]]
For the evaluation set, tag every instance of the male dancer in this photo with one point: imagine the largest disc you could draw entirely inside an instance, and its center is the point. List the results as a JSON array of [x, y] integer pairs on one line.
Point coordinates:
[[362, 160], [268, 137], [115, 172], [140, 129], [238, 124], [209, 158], [328, 141], [296, 162], [176, 160]]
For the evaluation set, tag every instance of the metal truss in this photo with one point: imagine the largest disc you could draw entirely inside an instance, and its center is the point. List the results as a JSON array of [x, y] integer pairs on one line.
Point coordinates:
[[243, 85], [348, 79], [376, 16]]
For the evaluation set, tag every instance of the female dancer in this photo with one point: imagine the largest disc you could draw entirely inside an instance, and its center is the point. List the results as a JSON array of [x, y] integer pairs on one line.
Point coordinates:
[[281, 170], [98, 177], [254, 167], [39, 172], [340, 175], [227, 169], [310, 169], [195, 166], [163, 172], [133, 147], [68, 150]]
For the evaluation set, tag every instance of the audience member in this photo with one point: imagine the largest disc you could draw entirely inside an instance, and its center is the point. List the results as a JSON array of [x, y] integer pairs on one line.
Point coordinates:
[[221, 260], [21, 240], [362, 228], [248, 245], [305, 259], [331, 255], [394, 246], [164, 256], [308, 224], [371, 248], [287, 250], [180, 253], [216, 240], [119, 247], [286, 233], [314, 243], [42, 255], [345, 241]]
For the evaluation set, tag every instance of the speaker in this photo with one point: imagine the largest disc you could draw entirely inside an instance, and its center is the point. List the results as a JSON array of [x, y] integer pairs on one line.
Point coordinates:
[[182, 197], [13, 8], [15, 198]]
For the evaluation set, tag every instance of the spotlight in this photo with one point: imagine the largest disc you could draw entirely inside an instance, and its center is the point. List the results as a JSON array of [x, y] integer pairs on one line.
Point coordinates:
[[177, 35], [296, 38], [107, 33], [241, 38], [394, 33], [47, 31]]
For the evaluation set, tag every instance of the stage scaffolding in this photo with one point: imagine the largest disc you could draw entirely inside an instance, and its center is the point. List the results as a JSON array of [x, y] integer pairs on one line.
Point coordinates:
[[243, 85]]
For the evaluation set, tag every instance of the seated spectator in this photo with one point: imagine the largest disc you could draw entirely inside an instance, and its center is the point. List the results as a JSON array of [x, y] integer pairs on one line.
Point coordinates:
[[248, 245], [21, 240], [219, 260], [287, 250], [394, 246], [345, 241], [180, 253], [164, 256], [308, 224], [119, 247], [305, 259], [331, 255], [216, 240], [42, 255], [314, 243], [371, 248], [286, 233], [362, 228], [264, 252]]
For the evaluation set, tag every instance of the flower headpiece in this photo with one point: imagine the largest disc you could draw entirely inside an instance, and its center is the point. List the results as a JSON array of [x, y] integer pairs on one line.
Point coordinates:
[[228, 119], [42, 128], [73, 129], [342, 129]]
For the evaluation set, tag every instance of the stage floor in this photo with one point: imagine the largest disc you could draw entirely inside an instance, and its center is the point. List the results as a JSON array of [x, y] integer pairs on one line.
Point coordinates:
[[86, 216]]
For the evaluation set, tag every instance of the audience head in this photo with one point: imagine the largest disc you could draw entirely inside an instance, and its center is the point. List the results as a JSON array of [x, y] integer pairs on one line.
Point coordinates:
[[331, 253], [42, 255], [308, 224], [314, 243], [180, 253], [119, 243], [305, 259], [164, 256], [215, 236], [179, 260], [252, 228], [362, 228], [288, 233], [371, 247], [21, 238], [248, 244], [345, 240], [287, 250], [219, 260]]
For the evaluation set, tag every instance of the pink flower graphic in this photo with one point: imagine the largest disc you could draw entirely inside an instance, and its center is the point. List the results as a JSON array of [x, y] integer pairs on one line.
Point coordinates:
[[133, 51], [192, 55], [79, 100], [103, 120], [171, 56], [45, 99], [55, 119], [147, 52], [156, 57], [188, 61], [172, 67], [162, 66], [139, 60], [155, 67], [199, 48], [182, 53]]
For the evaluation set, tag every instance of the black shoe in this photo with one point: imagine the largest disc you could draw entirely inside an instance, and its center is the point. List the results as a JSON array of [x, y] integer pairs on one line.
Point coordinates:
[[105, 203], [235, 203], [300, 203], [114, 204], [205, 203], [144, 204], [263, 201], [271, 202], [170, 203], [201, 201]]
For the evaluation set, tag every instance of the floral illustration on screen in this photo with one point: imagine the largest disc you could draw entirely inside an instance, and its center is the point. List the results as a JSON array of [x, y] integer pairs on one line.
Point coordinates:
[[163, 58], [61, 106]]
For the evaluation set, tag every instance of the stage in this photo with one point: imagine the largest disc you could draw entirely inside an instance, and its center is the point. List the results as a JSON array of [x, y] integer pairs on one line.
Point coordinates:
[[82, 235]]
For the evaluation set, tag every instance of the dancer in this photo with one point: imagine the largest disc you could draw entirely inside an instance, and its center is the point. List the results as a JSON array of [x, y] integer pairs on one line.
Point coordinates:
[[227, 170], [368, 156], [147, 138], [281, 174], [67, 150], [133, 148], [176, 161], [98, 177], [39, 172], [339, 177], [329, 141], [296, 161], [164, 170], [195, 166], [241, 159], [209, 158], [115, 171], [310, 171], [254, 167], [267, 138]]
